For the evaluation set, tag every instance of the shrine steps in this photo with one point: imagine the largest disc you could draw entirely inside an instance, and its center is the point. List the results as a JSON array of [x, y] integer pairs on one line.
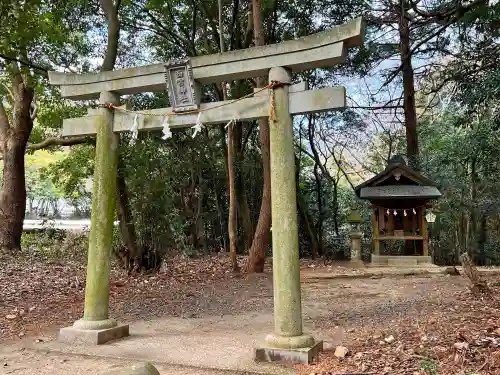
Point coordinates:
[[401, 260]]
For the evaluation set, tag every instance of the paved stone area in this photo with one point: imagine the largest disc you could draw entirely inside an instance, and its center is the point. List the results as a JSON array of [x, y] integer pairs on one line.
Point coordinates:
[[213, 343]]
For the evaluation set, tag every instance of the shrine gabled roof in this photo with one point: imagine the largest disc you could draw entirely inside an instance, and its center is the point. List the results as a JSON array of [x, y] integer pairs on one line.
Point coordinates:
[[422, 188], [399, 192]]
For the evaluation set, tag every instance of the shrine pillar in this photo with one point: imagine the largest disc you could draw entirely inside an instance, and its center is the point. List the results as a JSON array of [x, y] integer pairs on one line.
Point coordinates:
[[96, 327], [288, 336]]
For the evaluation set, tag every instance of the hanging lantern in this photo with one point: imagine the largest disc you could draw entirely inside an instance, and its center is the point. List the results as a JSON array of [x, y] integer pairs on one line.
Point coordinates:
[[414, 212], [430, 217], [388, 213], [395, 213], [404, 213]]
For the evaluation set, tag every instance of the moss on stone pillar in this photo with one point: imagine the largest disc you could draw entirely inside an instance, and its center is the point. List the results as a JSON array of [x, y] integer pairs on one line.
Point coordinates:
[[286, 265], [103, 213]]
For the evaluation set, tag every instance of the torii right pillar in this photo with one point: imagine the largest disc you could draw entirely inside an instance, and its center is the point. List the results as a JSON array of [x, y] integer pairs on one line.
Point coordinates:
[[287, 342]]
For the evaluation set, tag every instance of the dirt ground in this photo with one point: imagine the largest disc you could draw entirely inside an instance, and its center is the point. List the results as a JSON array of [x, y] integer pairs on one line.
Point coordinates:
[[38, 297]]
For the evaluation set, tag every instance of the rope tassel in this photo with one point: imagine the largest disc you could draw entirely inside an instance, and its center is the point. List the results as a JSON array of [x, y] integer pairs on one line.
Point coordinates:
[[134, 129], [231, 122], [197, 127], [166, 129]]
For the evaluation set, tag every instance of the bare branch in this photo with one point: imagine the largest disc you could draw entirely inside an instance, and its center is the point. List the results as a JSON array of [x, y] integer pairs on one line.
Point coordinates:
[[460, 11], [379, 107], [444, 13], [213, 25], [25, 63], [49, 142]]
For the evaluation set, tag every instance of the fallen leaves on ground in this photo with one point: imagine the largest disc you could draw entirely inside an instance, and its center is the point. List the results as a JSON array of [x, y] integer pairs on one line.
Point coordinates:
[[458, 334], [461, 337], [38, 295]]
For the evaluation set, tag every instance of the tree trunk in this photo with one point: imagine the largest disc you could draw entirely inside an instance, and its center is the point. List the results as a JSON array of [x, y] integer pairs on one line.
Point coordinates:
[[13, 140], [478, 284], [12, 195], [319, 197], [481, 238], [335, 207], [233, 239], [473, 232], [221, 205], [408, 89], [306, 216], [199, 220], [220, 216], [241, 195], [124, 214], [260, 242], [123, 210], [309, 224], [244, 213]]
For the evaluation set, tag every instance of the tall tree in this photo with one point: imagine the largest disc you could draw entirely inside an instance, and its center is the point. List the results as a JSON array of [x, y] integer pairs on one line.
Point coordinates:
[[14, 135], [408, 85], [232, 225], [261, 238], [413, 30], [26, 53], [111, 10]]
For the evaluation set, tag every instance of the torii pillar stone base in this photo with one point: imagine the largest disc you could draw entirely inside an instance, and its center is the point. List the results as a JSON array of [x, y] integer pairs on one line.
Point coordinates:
[[83, 334], [96, 327], [287, 342]]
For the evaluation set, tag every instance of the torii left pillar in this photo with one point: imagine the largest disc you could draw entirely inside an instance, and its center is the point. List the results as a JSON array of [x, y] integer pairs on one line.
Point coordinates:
[[96, 327]]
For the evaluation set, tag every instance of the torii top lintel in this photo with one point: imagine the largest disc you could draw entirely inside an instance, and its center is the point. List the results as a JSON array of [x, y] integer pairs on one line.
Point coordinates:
[[320, 50]]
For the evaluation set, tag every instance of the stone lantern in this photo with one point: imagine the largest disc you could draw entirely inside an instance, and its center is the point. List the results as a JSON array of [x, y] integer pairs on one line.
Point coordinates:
[[354, 219]]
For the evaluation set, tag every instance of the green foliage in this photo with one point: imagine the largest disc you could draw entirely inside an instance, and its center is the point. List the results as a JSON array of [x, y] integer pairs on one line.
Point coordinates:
[[71, 177], [43, 33], [460, 148], [170, 210], [42, 191], [430, 366], [55, 244], [177, 188], [51, 113]]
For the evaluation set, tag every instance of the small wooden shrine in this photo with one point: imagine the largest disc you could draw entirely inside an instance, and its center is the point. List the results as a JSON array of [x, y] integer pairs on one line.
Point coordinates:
[[400, 197]]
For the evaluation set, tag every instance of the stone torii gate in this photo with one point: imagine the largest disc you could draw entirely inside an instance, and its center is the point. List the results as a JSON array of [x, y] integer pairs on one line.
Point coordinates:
[[183, 79]]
